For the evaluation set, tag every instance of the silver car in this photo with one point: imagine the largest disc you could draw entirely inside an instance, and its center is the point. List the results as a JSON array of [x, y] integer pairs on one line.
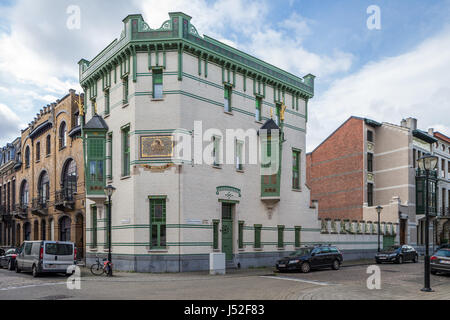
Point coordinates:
[[45, 256], [440, 261]]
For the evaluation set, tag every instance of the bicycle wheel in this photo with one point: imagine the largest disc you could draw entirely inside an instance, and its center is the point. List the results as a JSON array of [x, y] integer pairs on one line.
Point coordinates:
[[97, 269]]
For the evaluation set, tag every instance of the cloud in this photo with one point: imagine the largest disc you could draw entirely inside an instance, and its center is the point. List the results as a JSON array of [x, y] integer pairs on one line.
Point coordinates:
[[10, 124], [411, 84]]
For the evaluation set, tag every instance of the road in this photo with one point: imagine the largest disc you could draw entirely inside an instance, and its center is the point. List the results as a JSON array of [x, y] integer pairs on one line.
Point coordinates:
[[397, 282]]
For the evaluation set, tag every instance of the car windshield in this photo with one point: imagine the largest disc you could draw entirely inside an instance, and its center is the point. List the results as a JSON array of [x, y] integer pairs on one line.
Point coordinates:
[[301, 252], [60, 249], [393, 248], [443, 253]]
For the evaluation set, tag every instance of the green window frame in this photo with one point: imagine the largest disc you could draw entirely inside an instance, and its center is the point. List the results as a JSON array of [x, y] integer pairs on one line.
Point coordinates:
[[95, 156], [94, 226], [369, 162], [125, 90], [125, 151], [277, 113], [109, 142], [296, 169], [280, 236], [258, 110], [227, 98], [241, 235], [297, 236], [157, 78], [216, 234], [107, 102], [158, 233], [258, 228]]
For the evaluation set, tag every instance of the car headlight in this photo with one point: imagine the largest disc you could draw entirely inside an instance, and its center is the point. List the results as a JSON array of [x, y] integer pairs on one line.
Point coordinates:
[[293, 261]]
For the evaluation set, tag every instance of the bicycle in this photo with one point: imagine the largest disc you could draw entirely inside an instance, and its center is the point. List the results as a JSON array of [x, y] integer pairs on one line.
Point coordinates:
[[98, 269]]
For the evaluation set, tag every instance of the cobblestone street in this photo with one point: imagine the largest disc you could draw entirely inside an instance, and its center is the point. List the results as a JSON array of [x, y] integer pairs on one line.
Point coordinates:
[[397, 282]]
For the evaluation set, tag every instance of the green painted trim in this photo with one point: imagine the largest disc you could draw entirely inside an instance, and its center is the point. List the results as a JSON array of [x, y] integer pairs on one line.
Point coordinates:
[[157, 197], [228, 201]]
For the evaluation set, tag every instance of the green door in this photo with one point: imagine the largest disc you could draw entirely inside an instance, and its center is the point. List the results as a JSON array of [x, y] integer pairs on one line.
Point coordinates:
[[388, 241], [227, 230]]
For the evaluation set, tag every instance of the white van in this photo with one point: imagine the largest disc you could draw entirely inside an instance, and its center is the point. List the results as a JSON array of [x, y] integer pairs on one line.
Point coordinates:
[[46, 256]]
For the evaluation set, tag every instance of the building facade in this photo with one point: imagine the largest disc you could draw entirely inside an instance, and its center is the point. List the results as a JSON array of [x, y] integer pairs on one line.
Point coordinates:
[[153, 90], [441, 149], [364, 164], [9, 158], [50, 192]]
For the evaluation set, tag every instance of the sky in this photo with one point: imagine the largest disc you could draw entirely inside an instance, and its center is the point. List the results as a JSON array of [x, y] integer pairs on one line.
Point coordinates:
[[399, 70]]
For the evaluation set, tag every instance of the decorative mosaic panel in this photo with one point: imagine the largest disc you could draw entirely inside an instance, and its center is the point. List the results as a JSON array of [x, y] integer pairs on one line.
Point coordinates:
[[156, 147]]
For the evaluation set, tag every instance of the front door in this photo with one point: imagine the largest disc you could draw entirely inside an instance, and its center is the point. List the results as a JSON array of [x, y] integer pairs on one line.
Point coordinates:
[[227, 230]]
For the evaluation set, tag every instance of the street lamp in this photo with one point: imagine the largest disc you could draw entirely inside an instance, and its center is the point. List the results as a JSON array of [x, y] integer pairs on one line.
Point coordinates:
[[379, 208], [427, 162], [109, 190]]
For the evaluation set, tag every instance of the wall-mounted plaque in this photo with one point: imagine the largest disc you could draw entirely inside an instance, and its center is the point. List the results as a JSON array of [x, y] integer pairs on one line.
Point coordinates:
[[156, 146]]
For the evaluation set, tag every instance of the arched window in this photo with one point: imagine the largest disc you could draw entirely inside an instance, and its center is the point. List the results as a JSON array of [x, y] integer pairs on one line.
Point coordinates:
[[64, 229], [27, 231], [70, 179], [43, 188], [48, 146], [38, 151], [24, 194], [62, 135], [27, 157]]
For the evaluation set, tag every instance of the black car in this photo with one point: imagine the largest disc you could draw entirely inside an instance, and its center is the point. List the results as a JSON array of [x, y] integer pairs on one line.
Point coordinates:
[[397, 254], [308, 258], [8, 258]]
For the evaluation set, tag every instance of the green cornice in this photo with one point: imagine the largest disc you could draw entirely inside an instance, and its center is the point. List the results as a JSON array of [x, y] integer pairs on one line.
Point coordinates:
[[178, 32]]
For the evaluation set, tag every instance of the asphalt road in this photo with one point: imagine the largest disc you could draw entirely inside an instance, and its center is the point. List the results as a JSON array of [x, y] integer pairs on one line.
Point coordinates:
[[396, 281]]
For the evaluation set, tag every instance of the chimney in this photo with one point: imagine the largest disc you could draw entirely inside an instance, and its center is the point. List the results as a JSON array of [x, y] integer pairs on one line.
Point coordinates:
[[403, 123], [411, 123]]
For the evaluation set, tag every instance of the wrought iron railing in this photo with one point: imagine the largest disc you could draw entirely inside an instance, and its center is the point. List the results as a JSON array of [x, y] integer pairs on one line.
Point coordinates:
[[444, 211], [64, 195], [39, 203]]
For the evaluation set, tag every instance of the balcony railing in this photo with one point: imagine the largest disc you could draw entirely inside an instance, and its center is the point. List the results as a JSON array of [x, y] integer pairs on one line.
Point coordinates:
[[444, 211], [39, 205], [64, 195]]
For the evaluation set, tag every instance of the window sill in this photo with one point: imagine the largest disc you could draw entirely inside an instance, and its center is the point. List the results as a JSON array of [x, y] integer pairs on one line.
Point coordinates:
[[241, 249], [125, 177], [297, 190], [61, 148], [48, 155], [157, 99], [125, 104], [37, 161], [157, 250], [258, 249], [106, 115]]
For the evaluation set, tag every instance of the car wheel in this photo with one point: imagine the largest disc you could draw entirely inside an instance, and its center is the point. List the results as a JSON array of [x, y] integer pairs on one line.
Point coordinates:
[[35, 272], [305, 267], [400, 260], [336, 265]]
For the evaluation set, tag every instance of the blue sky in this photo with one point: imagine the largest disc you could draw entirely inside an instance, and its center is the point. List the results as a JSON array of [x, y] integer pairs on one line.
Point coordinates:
[[398, 71]]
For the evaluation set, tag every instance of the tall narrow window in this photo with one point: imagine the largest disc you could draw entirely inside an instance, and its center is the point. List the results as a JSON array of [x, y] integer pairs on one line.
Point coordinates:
[[48, 145], [157, 83], [24, 194], [241, 235], [158, 223], [27, 157], [370, 194], [44, 188], [258, 235], [94, 227], [216, 234], [258, 109], [239, 155], [70, 179], [216, 151], [38, 151], [125, 90], [62, 135], [107, 102], [109, 171], [369, 135], [227, 98], [296, 170], [280, 236], [370, 162], [126, 151], [414, 158]]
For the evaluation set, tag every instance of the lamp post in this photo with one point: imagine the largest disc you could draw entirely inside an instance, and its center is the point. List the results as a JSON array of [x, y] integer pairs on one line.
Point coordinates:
[[109, 190], [427, 162], [379, 208]]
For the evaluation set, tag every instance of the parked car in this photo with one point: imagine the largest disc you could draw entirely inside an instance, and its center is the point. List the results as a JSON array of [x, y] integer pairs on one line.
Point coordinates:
[[397, 254], [440, 261], [8, 258], [308, 258], [46, 256], [443, 246]]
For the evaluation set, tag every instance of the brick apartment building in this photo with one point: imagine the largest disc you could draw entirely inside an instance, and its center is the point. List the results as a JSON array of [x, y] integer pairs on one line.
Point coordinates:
[[363, 164]]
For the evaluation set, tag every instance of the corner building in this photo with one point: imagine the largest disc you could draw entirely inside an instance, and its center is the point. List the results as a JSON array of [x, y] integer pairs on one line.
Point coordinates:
[[146, 90]]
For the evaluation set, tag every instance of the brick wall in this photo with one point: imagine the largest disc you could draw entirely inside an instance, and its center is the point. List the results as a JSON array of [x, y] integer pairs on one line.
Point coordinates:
[[335, 172]]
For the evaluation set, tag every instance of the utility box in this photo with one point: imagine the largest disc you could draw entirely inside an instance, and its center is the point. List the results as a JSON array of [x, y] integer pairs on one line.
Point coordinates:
[[216, 263]]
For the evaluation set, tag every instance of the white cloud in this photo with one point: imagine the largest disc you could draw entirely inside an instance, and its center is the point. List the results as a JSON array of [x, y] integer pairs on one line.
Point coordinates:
[[413, 84], [10, 124]]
